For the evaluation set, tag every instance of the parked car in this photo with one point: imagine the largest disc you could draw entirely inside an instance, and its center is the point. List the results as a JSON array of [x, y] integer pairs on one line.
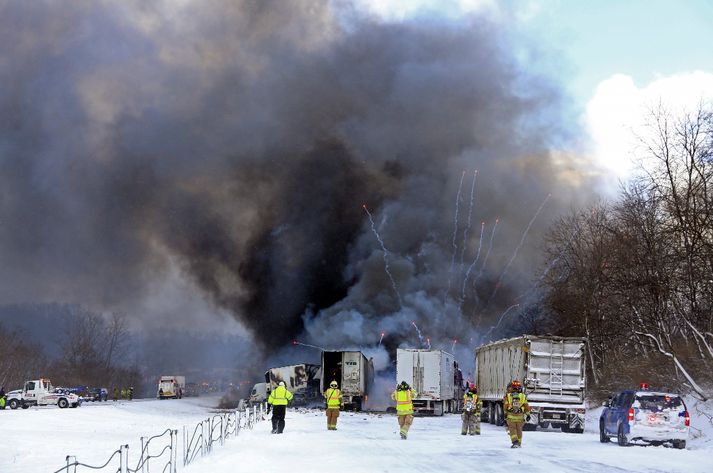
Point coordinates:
[[97, 394], [645, 416]]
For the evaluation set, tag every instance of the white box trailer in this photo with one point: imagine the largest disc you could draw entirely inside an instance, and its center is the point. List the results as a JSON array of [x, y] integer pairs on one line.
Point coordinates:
[[301, 380], [435, 377], [353, 372], [551, 370]]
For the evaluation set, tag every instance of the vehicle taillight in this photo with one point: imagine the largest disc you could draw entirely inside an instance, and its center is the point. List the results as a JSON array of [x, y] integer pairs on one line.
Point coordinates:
[[687, 419], [631, 415]]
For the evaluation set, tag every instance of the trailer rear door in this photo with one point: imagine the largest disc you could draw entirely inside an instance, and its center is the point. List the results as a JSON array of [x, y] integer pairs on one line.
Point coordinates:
[[555, 370], [351, 373]]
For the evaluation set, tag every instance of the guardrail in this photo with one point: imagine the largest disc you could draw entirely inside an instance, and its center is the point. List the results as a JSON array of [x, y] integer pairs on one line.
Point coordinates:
[[161, 451]]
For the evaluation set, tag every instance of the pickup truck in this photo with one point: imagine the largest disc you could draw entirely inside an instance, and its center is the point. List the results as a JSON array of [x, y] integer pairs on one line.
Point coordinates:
[[40, 392]]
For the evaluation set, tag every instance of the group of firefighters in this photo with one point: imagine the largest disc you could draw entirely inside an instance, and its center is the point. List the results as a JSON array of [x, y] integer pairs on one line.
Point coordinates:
[[515, 406]]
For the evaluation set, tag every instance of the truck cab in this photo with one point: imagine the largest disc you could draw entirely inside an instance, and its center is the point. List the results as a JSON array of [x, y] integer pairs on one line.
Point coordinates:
[[40, 392], [171, 387], [258, 394]]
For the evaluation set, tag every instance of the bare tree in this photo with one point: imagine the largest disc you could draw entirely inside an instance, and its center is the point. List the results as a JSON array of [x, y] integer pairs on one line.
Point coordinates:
[[636, 278], [20, 359], [94, 348]]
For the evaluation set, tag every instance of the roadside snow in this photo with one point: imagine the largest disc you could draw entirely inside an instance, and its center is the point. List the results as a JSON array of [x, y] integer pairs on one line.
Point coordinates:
[[38, 439]]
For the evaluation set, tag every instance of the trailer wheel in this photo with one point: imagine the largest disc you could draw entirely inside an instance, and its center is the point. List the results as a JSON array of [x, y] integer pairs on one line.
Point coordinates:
[[490, 414], [62, 403], [680, 444], [499, 415]]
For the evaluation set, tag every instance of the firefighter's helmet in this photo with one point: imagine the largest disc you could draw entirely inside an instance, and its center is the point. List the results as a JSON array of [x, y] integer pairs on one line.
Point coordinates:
[[333, 384], [516, 386]]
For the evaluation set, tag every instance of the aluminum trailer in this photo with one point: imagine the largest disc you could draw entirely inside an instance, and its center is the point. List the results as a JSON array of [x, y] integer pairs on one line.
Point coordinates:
[[552, 372]]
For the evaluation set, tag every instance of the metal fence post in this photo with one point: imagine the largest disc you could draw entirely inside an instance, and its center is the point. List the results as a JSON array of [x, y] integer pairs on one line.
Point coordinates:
[[141, 458], [124, 458], [68, 464]]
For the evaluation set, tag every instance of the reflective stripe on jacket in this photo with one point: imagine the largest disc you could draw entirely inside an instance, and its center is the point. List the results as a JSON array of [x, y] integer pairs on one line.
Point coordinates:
[[280, 396], [404, 401], [516, 408], [474, 400], [334, 398]]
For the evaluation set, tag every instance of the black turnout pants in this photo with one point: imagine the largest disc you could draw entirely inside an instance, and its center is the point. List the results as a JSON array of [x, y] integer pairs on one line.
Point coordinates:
[[278, 418]]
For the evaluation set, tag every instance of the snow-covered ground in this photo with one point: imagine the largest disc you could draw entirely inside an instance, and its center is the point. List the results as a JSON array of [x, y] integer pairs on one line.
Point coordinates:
[[37, 440]]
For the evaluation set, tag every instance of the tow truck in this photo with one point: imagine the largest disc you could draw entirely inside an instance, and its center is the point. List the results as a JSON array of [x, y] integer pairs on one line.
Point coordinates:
[[40, 392]]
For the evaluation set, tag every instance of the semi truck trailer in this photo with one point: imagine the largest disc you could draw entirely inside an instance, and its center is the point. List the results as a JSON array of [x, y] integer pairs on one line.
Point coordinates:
[[435, 377], [353, 372], [551, 370]]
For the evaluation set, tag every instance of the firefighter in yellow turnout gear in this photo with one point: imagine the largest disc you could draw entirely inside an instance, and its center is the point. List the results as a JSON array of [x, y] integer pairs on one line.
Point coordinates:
[[403, 396], [334, 401], [472, 406], [517, 410], [278, 400]]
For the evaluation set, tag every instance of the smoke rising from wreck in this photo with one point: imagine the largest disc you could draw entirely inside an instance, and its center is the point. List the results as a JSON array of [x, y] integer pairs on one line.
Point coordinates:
[[236, 142]]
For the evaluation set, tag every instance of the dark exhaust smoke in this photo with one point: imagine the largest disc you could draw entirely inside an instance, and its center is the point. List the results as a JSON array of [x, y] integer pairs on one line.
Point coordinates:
[[236, 142]]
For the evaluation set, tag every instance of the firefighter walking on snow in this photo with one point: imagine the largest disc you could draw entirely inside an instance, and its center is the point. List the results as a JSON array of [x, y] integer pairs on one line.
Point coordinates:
[[471, 411], [278, 400], [334, 401], [517, 410], [403, 396]]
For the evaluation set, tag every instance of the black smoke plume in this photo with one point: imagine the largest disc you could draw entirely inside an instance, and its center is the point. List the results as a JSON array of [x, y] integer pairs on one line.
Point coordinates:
[[233, 144]]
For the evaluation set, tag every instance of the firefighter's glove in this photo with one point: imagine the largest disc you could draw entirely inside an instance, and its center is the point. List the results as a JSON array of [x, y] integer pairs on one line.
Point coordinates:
[[528, 417]]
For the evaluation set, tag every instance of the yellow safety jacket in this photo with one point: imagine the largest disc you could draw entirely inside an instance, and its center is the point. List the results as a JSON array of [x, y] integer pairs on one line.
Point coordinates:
[[471, 402], [516, 407], [334, 398], [404, 401], [280, 396]]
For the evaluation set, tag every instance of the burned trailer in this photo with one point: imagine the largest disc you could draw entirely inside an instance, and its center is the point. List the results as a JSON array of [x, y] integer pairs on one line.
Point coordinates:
[[354, 374], [303, 380]]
